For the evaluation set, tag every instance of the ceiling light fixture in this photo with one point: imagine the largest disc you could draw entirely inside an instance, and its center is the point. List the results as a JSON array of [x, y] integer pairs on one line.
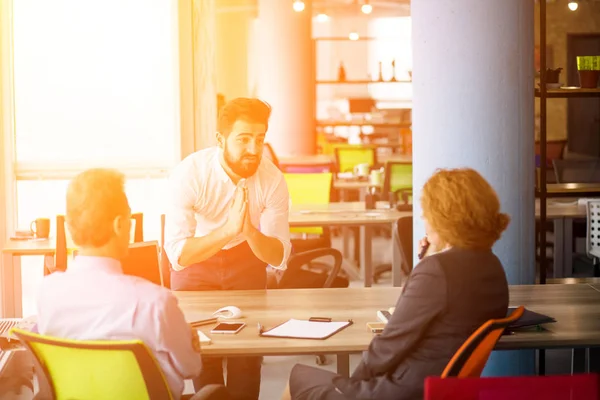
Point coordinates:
[[298, 5], [353, 36], [366, 8], [573, 5], [322, 17]]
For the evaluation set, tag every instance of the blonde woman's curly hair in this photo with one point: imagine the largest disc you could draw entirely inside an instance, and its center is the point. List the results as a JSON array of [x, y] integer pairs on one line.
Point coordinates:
[[463, 208]]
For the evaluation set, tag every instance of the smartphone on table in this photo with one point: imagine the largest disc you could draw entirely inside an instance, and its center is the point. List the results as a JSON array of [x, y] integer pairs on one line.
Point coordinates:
[[384, 316], [375, 327], [228, 327]]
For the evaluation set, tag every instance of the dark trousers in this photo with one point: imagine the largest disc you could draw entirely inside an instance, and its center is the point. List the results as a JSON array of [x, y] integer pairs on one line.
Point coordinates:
[[233, 269]]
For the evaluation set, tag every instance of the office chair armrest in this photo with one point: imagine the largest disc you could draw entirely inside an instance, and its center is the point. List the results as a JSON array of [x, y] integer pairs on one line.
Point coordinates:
[[296, 261]]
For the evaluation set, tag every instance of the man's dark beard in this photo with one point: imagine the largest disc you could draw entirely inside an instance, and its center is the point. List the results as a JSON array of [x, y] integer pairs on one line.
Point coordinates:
[[239, 168]]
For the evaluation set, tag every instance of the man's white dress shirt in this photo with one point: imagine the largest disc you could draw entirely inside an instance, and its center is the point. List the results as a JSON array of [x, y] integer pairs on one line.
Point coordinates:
[[94, 300], [200, 196]]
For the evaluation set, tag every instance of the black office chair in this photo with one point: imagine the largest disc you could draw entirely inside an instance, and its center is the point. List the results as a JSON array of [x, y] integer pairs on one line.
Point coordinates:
[[404, 230], [58, 261], [297, 278]]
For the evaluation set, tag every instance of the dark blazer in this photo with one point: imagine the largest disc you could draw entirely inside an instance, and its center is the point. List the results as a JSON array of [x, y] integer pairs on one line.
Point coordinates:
[[446, 298]]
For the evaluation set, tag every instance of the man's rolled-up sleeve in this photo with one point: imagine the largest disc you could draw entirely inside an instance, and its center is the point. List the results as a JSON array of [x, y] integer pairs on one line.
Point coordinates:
[[180, 223], [175, 339], [274, 220]]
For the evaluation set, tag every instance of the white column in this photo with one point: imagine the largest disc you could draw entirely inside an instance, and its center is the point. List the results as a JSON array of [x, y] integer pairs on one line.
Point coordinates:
[[232, 52], [205, 77], [473, 107], [287, 75]]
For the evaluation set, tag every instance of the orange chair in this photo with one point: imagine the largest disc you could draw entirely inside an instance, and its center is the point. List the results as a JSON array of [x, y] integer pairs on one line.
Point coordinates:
[[471, 357]]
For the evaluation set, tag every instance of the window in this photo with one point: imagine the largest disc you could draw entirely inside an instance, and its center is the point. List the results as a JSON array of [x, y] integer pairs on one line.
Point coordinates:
[[96, 84]]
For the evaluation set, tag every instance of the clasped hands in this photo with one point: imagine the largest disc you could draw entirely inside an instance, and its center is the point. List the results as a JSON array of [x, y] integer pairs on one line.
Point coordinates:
[[238, 220]]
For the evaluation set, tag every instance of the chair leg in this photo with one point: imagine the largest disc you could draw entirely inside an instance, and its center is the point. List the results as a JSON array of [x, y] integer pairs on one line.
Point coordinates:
[[596, 264]]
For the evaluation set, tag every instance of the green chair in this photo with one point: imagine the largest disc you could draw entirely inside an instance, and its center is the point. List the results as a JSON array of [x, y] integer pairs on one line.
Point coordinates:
[[347, 157], [98, 369], [397, 177], [311, 188]]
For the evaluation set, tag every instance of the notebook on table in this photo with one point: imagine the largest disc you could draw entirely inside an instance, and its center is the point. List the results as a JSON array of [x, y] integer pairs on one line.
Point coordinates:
[[306, 329], [529, 319]]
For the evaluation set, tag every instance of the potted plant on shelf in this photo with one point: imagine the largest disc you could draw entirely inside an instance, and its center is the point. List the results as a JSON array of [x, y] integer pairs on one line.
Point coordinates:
[[553, 78], [589, 71]]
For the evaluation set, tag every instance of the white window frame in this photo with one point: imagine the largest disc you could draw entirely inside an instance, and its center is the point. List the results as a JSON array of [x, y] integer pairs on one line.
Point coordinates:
[[8, 209], [11, 171]]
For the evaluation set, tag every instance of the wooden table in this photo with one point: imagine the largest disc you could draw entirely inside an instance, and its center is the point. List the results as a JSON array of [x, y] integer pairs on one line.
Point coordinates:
[[573, 189], [346, 185], [576, 307], [310, 160], [10, 271], [562, 212], [334, 214], [352, 214]]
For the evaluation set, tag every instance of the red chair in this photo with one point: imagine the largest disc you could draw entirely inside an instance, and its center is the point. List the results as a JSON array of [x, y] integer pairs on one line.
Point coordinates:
[[559, 387]]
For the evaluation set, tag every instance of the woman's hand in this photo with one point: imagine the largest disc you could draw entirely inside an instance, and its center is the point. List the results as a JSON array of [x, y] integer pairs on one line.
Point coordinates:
[[423, 246]]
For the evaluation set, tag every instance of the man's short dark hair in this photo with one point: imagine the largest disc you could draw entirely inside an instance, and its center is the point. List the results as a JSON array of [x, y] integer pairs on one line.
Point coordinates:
[[243, 108]]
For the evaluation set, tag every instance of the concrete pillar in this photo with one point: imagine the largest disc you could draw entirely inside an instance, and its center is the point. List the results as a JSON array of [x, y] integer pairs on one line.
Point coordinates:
[[473, 107], [204, 34], [232, 52], [287, 75]]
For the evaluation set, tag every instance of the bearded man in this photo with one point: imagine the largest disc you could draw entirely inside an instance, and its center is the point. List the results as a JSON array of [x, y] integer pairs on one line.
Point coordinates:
[[227, 220]]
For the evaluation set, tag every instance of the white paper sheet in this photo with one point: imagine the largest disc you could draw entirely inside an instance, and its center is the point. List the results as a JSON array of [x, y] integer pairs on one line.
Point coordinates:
[[203, 338], [303, 329]]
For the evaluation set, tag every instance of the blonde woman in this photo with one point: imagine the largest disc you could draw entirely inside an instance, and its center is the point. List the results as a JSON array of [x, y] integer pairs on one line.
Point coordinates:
[[447, 297]]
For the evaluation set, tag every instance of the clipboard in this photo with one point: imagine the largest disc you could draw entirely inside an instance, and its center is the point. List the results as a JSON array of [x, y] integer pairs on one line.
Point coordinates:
[[312, 329]]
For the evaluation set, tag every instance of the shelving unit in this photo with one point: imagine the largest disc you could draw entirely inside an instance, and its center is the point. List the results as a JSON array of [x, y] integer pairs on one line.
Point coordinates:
[[374, 125], [358, 82], [545, 191], [385, 126], [568, 93]]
